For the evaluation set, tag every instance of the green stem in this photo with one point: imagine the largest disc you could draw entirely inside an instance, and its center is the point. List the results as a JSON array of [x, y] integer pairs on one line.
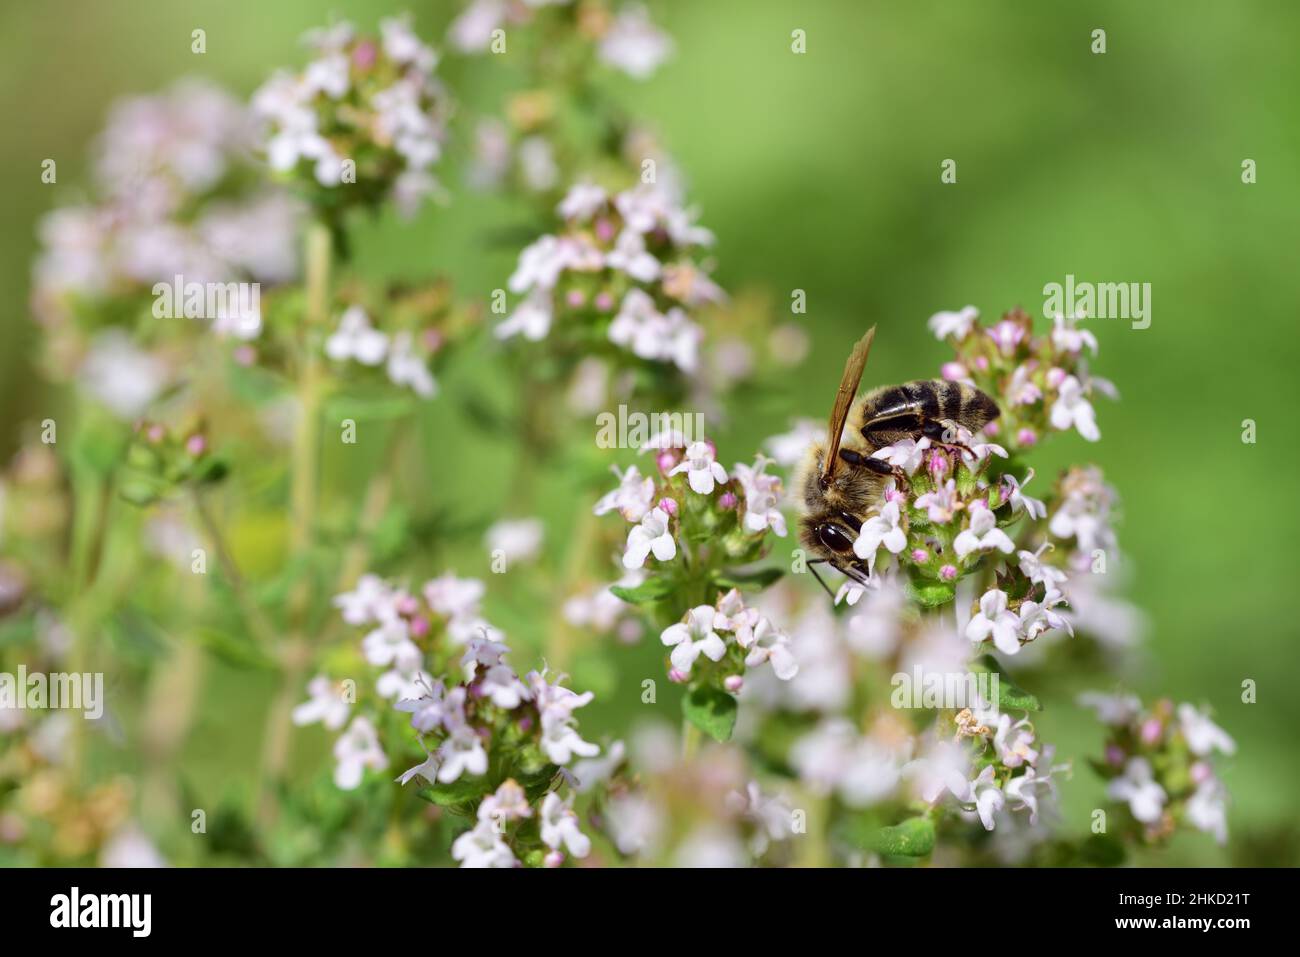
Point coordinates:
[[303, 496]]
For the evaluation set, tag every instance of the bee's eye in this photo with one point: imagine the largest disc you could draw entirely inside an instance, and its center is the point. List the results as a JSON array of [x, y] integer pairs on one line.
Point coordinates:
[[834, 537]]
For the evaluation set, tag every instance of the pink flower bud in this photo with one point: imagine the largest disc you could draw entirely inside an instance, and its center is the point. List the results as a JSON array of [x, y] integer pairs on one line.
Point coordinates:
[[938, 464], [728, 500], [669, 505], [953, 371], [196, 445], [604, 230], [525, 724], [575, 298], [1201, 772], [1026, 437], [993, 428], [364, 55], [156, 433], [1055, 376], [554, 859], [733, 683], [948, 573], [982, 363], [1114, 755], [920, 555], [419, 626], [604, 301], [407, 605], [245, 356], [433, 340], [677, 677], [1152, 730], [666, 460]]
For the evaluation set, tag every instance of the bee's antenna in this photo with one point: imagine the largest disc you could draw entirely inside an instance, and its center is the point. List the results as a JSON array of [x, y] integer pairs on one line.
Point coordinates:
[[849, 382]]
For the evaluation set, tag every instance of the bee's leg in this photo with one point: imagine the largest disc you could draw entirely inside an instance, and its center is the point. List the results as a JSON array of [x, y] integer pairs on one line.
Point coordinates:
[[873, 464], [825, 587], [941, 433]]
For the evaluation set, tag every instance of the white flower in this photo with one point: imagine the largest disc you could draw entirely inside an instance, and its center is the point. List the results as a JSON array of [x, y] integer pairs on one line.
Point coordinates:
[[1145, 797], [431, 708], [987, 797], [1023, 789], [509, 803], [693, 637], [560, 826], [328, 75], [700, 467], [1013, 742], [632, 498], [531, 318], [636, 822], [583, 201], [905, 454], [407, 368], [461, 753], [482, 847], [389, 642], [771, 644], [790, 447], [652, 535], [1115, 710], [326, 705], [356, 339], [555, 703], [1203, 735], [1033, 507], [517, 540], [403, 46], [121, 375], [762, 494], [633, 44], [994, 619], [1038, 617], [983, 533], [1068, 338], [945, 766], [882, 529], [454, 597], [629, 255], [471, 32], [355, 750], [1207, 810], [1072, 408], [942, 503], [427, 769], [540, 265], [955, 324], [1084, 513], [369, 601]]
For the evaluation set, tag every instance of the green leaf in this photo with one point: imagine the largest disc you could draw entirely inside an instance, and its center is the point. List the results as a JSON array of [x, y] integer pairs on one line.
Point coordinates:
[[912, 838], [1011, 697], [755, 580], [712, 711], [464, 790], [931, 594], [372, 407], [650, 590]]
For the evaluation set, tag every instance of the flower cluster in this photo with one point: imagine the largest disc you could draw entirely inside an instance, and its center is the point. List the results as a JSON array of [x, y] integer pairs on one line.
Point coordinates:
[[364, 121], [621, 271], [1042, 380], [1158, 764], [627, 40], [403, 357], [177, 196], [478, 721]]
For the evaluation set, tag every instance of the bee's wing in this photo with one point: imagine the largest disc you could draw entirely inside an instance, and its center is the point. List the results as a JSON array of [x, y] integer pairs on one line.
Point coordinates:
[[853, 369]]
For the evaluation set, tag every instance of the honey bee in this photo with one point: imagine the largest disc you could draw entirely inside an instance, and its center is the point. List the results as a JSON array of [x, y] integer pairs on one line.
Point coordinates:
[[840, 479]]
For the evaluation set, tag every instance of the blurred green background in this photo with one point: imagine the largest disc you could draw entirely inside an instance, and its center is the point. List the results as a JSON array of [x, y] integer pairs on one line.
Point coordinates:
[[821, 172]]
